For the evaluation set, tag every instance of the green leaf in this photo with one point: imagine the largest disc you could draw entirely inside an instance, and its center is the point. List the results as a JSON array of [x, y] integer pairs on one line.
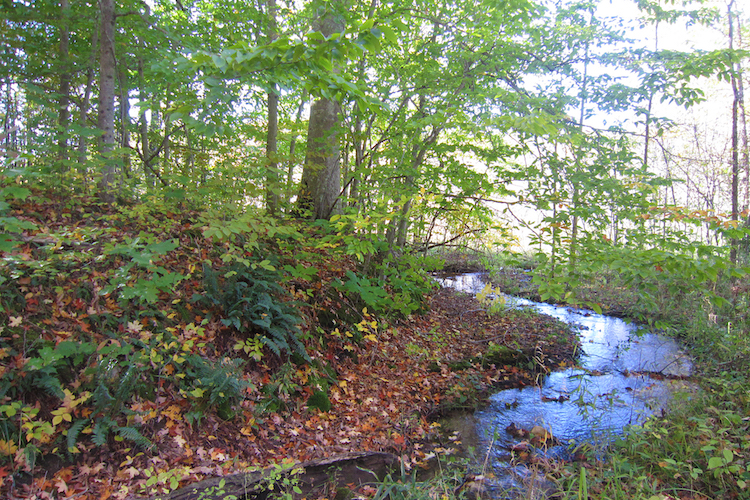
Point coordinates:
[[389, 34]]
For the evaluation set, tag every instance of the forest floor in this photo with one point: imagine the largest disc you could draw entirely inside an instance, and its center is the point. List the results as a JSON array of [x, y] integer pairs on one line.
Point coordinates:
[[387, 378]]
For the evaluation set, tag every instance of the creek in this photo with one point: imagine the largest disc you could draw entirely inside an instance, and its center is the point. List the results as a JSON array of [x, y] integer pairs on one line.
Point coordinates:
[[623, 376]]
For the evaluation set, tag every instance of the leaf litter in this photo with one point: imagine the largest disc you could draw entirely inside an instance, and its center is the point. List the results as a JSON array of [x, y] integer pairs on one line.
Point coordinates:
[[385, 389]]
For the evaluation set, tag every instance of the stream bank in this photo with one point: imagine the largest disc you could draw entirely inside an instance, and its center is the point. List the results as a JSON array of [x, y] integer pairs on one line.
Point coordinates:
[[622, 377]]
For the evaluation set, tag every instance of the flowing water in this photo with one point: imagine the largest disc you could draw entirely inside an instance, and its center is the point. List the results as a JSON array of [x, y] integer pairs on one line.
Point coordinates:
[[622, 377]]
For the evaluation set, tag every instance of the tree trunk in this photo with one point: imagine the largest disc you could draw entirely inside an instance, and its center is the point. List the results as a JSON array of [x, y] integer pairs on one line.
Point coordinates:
[[735, 159], [321, 176], [293, 148], [106, 115], [576, 200], [314, 479], [64, 100], [86, 101], [124, 118], [272, 167]]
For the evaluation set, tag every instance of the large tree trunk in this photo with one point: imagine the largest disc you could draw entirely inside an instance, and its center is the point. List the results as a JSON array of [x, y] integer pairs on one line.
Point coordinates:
[[106, 115], [321, 176]]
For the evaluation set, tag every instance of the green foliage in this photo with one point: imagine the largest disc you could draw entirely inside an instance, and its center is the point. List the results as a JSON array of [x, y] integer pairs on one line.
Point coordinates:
[[399, 288], [248, 228], [492, 299], [319, 400], [701, 448], [279, 391], [48, 370], [11, 226], [142, 252], [283, 480], [448, 484], [107, 380], [251, 301], [215, 385]]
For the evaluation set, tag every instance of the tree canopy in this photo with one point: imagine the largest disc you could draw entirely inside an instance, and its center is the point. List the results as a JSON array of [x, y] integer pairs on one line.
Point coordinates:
[[247, 141]]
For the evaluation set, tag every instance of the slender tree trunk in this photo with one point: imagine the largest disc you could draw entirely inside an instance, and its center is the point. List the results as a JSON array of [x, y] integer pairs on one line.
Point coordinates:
[[359, 156], [86, 101], [321, 176], [64, 101], [124, 118], [575, 202], [293, 148], [359, 138], [647, 139], [745, 157], [106, 114], [735, 159], [143, 125], [272, 167]]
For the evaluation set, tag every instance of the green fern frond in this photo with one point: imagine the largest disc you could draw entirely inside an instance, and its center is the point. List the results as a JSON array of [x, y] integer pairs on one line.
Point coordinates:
[[101, 431], [73, 433], [134, 435]]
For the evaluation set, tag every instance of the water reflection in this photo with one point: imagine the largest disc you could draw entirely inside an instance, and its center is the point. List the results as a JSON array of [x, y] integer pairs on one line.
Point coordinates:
[[623, 377]]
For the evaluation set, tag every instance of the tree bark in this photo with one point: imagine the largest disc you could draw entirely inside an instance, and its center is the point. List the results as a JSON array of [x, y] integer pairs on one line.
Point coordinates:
[[64, 100], [106, 114], [312, 477], [735, 159], [321, 176], [272, 166]]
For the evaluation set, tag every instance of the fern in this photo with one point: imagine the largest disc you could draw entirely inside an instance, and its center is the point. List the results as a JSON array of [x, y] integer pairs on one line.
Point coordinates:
[[101, 431], [250, 300], [73, 434], [134, 435], [220, 385], [49, 383]]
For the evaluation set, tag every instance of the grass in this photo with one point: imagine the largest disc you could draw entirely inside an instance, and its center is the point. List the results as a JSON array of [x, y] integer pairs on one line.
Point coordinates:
[[701, 448], [700, 451]]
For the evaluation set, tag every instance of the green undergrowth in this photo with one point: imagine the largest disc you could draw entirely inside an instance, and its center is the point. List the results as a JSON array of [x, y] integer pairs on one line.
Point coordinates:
[[700, 450], [112, 311], [447, 480], [701, 447]]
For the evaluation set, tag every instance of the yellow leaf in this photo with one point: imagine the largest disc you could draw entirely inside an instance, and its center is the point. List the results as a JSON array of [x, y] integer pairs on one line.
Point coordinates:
[[8, 447]]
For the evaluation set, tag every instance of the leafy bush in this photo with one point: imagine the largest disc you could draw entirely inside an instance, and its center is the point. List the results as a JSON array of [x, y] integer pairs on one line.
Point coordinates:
[[400, 289], [250, 301], [11, 226], [142, 252], [215, 385], [57, 396]]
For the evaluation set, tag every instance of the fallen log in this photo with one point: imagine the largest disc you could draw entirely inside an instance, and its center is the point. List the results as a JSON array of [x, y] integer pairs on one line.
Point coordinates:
[[356, 468]]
